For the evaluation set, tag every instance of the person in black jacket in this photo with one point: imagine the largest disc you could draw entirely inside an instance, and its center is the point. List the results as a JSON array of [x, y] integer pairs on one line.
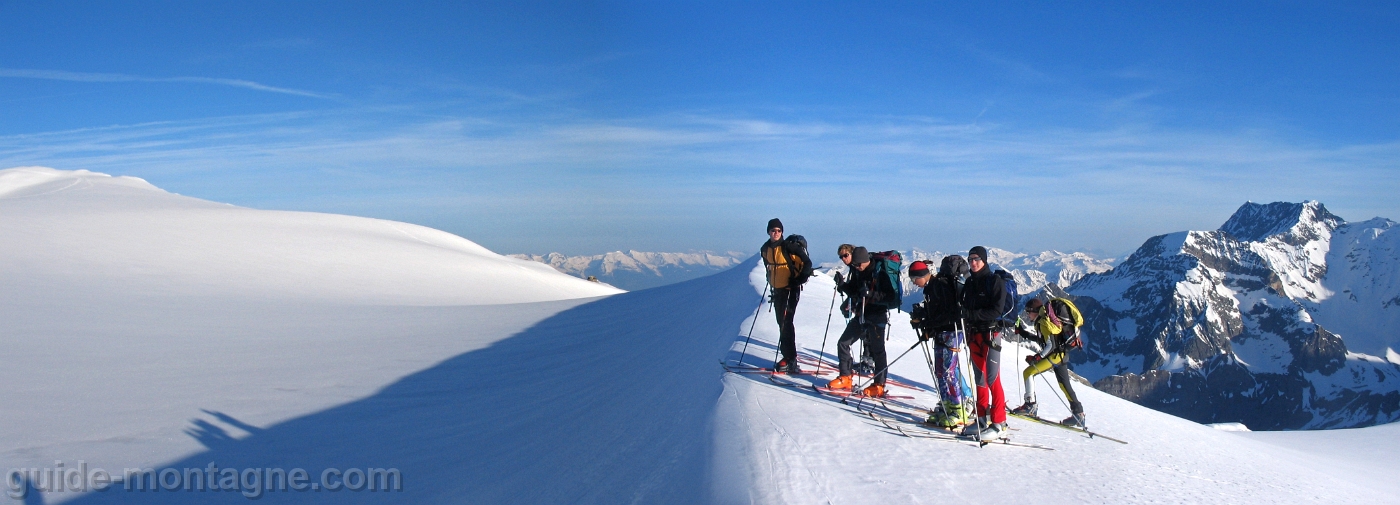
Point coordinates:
[[867, 287], [983, 301], [937, 319], [787, 269]]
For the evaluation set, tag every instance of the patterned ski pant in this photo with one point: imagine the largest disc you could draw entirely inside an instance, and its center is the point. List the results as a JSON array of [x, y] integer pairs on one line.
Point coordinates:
[[952, 386]]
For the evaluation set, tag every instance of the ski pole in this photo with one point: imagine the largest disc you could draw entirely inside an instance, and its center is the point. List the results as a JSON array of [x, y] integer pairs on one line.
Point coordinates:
[[822, 352], [1018, 360], [764, 299], [928, 357], [1057, 393], [967, 344], [882, 370]]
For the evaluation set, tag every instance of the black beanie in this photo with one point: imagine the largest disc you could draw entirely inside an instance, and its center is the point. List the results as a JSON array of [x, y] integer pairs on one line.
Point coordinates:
[[918, 269], [859, 255], [978, 251], [774, 223]]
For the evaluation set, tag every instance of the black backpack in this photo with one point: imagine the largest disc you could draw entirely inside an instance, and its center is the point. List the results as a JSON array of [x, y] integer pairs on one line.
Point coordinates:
[[954, 267], [795, 246]]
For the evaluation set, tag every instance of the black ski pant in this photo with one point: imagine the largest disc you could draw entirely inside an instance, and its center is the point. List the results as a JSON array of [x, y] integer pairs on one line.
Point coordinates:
[[785, 308], [873, 336], [1060, 363], [1062, 375]]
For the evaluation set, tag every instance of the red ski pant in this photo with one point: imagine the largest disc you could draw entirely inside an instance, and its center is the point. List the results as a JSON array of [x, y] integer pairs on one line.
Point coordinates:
[[986, 367]]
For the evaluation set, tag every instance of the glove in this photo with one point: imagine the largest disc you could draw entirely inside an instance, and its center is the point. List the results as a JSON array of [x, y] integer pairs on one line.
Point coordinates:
[[1030, 360], [839, 279], [846, 308], [923, 336], [862, 291]]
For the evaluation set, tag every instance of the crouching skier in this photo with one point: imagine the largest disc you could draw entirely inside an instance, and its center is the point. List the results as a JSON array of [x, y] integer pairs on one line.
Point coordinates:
[[1056, 327], [937, 320], [869, 289], [984, 300]]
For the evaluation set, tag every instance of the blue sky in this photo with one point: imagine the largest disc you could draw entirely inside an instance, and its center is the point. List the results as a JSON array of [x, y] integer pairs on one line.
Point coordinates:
[[597, 126]]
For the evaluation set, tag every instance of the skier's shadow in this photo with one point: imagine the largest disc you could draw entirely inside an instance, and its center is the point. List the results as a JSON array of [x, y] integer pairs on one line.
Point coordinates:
[[610, 401]]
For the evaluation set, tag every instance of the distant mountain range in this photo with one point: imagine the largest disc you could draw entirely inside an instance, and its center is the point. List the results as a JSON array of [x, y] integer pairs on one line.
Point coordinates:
[[636, 270], [1032, 271], [1284, 318]]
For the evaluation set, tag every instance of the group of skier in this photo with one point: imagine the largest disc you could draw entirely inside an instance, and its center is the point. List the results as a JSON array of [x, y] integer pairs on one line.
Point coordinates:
[[965, 306]]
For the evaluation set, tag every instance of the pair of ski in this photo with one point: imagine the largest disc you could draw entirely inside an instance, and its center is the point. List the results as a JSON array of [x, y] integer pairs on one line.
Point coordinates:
[[923, 430], [847, 393], [1077, 429], [747, 368], [825, 365]]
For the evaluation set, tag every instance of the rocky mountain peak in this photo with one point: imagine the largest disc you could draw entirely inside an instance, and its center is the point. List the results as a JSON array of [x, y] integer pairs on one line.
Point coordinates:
[[1254, 222]]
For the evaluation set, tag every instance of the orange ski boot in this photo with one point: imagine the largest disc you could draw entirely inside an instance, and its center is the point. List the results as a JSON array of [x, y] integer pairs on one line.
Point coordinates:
[[842, 382], [875, 391]]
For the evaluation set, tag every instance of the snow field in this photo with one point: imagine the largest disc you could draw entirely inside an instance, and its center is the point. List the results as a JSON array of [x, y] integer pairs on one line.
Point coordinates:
[[69, 235], [800, 447], [144, 329]]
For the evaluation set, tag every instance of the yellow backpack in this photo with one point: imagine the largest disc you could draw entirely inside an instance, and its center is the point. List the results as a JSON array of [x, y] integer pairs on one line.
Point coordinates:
[[1075, 341]]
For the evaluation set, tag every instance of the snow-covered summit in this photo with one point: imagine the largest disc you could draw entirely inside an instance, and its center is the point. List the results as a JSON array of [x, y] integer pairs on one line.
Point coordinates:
[[1245, 323], [60, 229], [1254, 222], [21, 182]]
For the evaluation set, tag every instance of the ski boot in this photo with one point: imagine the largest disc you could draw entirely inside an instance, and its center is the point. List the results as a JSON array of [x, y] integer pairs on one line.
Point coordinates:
[[1027, 409], [937, 416], [875, 391], [842, 382], [865, 367], [972, 428], [1076, 420], [994, 431], [787, 367], [954, 416]]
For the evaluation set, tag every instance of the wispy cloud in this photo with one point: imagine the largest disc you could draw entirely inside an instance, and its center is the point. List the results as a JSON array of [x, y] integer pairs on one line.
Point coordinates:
[[1112, 187], [61, 75]]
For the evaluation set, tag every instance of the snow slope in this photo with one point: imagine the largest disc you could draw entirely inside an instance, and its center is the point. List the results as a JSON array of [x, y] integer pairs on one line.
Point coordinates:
[[792, 445], [69, 232], [122, 363]]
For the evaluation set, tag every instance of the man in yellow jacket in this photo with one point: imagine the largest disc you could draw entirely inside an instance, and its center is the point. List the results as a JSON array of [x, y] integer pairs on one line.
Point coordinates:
[[788, 267]]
